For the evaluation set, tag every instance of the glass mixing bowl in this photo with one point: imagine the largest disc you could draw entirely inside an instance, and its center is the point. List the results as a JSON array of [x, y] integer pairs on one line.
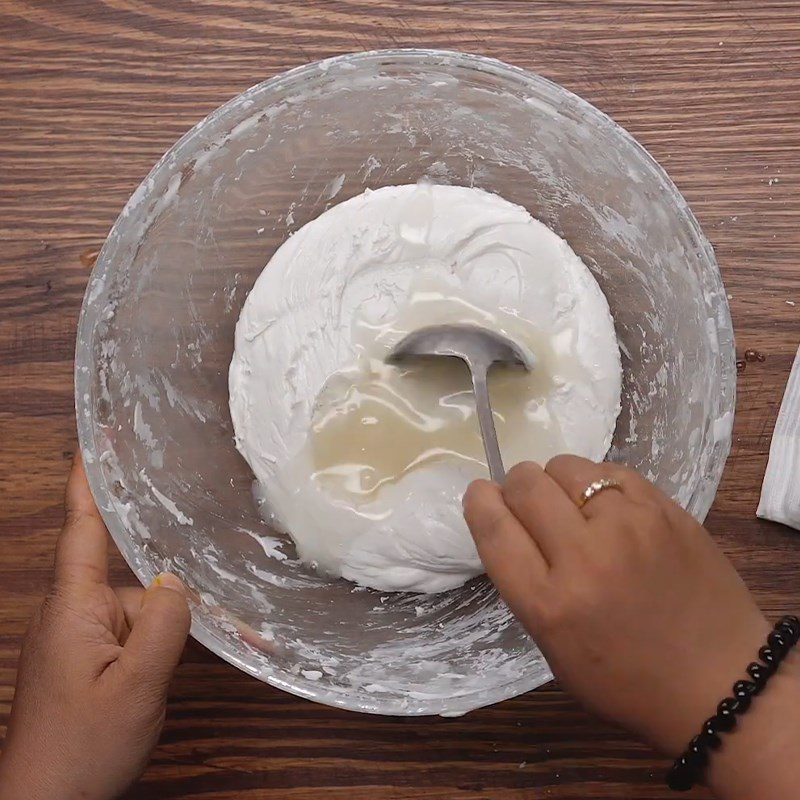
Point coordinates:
[[156, 337]]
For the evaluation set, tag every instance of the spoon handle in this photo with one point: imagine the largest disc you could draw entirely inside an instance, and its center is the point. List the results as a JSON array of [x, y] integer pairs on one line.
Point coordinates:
[[486, 420]]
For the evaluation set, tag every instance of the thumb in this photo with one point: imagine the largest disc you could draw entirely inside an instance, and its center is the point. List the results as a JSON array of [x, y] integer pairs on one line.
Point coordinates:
[[153, 649]]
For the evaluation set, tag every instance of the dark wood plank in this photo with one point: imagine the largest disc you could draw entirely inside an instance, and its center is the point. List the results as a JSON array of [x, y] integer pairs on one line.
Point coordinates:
[[92, 92]]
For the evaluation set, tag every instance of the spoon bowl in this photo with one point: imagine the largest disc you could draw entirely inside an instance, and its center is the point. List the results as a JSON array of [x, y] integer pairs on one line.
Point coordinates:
[[480, 349]]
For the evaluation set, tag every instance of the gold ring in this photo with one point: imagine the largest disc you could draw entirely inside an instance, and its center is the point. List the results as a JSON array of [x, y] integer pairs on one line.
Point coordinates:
[[595, 488]]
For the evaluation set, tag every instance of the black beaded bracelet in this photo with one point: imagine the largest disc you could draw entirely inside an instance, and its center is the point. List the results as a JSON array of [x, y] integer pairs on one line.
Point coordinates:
[[688, 769]]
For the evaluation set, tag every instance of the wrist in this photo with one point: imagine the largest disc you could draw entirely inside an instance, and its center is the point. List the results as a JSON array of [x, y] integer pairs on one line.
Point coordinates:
[[27, 777], [708, 679], [20, 781], [760, 758]]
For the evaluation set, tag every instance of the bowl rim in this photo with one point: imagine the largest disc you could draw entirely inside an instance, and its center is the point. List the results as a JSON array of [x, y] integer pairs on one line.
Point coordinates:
[[203, 628]]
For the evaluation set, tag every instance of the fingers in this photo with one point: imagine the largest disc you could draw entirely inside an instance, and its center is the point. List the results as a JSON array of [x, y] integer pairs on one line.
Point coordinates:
[[130, 598], [159, 632], [82, 549], [548, 514], [512, 559], [574, 474]]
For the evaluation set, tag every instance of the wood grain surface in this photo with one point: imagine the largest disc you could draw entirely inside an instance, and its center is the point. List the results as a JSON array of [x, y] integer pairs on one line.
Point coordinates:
[[92, 93]]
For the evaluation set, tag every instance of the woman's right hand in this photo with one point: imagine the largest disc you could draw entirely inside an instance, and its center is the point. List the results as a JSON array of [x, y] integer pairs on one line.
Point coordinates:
[[640, 615]]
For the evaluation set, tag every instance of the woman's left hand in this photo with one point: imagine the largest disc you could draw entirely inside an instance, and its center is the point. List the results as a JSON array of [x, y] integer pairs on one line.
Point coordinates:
[[94, 671]]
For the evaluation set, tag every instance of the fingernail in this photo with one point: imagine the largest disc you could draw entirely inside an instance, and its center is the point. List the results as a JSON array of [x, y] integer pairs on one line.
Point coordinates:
[[167, 580]]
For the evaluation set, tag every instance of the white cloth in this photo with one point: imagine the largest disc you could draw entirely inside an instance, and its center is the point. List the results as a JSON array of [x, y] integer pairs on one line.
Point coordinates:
[[780, 492]]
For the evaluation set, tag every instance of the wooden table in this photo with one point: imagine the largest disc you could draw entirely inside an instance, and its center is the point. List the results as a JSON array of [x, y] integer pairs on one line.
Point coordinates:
[[92, 92]]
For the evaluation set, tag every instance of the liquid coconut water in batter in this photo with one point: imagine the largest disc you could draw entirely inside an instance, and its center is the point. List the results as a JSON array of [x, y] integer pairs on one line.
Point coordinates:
[[363, 463]]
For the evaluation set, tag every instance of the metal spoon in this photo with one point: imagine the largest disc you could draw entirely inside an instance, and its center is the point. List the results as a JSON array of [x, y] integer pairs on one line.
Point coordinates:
[[479, 349]]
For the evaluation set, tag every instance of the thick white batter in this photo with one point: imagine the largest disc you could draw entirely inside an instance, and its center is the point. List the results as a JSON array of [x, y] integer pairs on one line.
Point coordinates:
[[365, 464]]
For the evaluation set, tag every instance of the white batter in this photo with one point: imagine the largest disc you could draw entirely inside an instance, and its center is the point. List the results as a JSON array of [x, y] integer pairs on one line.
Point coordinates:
[[363, 464]]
